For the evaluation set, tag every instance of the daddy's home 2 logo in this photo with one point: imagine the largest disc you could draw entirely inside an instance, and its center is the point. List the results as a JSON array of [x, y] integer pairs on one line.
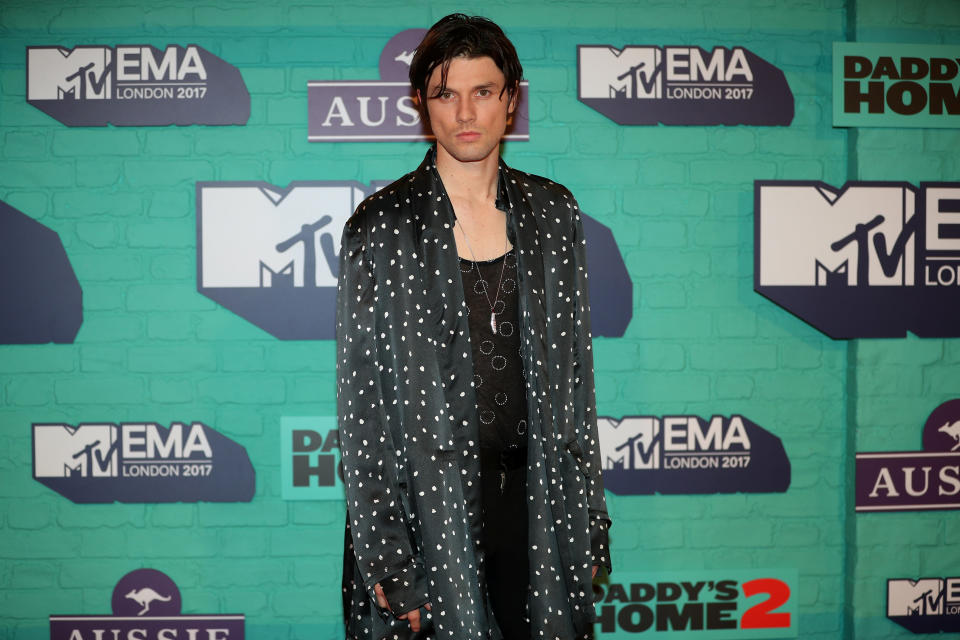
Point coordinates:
[[141, 462], [310, 458], [714, 605], [271, 255], [896, 85], [146, 605], [685, 454], [384, 110], [682, 85], [40, 297], [135, 85], [915, 480], [927, 605], [867, 260]]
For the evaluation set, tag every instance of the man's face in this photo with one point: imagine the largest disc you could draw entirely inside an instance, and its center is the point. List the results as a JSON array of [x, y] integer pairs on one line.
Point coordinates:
[[470, 116]]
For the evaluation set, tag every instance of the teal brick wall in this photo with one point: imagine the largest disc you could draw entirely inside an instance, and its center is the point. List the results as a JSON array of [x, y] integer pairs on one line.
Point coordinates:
[[679, 200], [897, 383]]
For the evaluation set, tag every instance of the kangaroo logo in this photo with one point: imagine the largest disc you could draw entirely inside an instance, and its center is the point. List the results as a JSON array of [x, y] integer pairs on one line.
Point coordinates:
[[952, 430], [406, 57], [146, 603], [144, 597]]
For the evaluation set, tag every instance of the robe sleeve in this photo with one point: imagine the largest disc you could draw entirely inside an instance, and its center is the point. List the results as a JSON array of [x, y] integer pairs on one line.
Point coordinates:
[[378, 522], [585, 403]]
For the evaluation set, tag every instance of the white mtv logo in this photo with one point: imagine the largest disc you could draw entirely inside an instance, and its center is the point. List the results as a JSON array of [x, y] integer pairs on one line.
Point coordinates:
[[86, 451], [631, 72], [255, 235], [915, 598], [814, 235], [55, 73], [632, 443]]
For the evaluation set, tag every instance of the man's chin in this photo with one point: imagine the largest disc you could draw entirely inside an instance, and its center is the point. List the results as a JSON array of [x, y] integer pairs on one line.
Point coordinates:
[[470, 153]]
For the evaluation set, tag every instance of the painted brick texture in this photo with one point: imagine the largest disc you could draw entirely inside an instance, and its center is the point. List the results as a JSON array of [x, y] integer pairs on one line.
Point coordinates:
[[678, 199]]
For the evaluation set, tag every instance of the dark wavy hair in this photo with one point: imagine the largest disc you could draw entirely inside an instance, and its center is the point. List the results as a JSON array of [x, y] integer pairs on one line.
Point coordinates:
[[459, 35]]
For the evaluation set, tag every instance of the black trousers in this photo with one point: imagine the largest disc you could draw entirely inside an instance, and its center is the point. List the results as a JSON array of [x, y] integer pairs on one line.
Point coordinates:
[[504, 491]]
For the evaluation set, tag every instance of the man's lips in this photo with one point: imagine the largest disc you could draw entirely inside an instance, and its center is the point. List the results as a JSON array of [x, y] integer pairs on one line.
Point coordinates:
[[468, 136]]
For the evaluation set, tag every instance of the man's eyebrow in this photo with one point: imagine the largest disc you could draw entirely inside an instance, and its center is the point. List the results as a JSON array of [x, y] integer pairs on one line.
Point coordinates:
[[486, 85]]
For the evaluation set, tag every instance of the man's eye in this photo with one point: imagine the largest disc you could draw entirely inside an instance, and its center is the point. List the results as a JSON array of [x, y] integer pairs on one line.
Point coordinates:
[[483, 93], [446, 95]]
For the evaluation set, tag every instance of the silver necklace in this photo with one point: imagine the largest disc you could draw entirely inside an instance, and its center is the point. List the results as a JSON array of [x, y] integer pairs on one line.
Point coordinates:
[[496, 298]]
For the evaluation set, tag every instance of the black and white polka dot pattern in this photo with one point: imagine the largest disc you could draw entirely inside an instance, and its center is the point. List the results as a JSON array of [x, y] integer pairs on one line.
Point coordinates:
[[409, 425]]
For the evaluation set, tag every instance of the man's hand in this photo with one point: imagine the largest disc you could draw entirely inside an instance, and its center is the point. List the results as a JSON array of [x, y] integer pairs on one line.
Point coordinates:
[[593, 575], [413, 617]]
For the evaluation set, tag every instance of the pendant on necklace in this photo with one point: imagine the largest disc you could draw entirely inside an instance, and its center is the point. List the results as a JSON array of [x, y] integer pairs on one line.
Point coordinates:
[[493, 322]]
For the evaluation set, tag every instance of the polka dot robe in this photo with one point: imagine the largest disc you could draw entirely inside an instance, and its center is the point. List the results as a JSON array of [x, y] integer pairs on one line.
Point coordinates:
[[408, 414]]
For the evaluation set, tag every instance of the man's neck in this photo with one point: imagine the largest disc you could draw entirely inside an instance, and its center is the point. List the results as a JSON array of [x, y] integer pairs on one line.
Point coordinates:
[[472, 189], [470, 181]]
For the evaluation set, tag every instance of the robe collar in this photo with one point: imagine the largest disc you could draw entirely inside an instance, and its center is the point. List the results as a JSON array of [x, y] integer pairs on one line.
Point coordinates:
[[442, 267]]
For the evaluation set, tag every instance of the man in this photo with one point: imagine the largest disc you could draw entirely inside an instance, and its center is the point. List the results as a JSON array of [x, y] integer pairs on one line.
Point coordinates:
[[475, 507]]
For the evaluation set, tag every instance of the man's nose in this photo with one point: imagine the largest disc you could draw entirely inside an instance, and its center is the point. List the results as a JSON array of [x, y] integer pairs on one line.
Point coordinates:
[[466, 111]]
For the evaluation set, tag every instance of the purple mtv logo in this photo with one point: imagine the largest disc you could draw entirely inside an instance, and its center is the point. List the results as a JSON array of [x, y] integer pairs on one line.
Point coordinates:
[[384, 110], [915, 480], [682, 85], [146, 604]]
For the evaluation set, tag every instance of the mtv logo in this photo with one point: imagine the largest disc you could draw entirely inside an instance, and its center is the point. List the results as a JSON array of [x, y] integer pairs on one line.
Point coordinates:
[[82, 73], [631, 72], [85, 451], [943, 218], [923, 597], [813, 235], [271, 255], [255, 235], [631, 443]]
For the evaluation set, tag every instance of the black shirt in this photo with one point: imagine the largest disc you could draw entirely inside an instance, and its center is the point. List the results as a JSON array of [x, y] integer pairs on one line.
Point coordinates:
[[497, 361]]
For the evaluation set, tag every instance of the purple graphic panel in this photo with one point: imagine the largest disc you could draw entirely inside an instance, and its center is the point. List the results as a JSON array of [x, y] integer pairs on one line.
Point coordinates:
[[270, 254], [141, 462], [40, 297], [683, 454], [915, 480], [135, 85], [867, 260], [926, 605], [146, 604], [143, 591], [682, 85], [385, 110]]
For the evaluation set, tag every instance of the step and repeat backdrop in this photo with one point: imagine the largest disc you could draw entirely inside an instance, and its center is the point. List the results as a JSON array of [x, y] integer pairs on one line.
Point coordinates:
[[772, 191]]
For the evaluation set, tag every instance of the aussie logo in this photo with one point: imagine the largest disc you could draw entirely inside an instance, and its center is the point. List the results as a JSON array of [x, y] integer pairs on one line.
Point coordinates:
[[146, 605], [915, 480], [682, 85], [135, 85], [896, 85], [686, 454], [40, 297], [141, 462], [927, 605], [310, 458], [871, 259], [713, 605], [384, 110], [271, 255]]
